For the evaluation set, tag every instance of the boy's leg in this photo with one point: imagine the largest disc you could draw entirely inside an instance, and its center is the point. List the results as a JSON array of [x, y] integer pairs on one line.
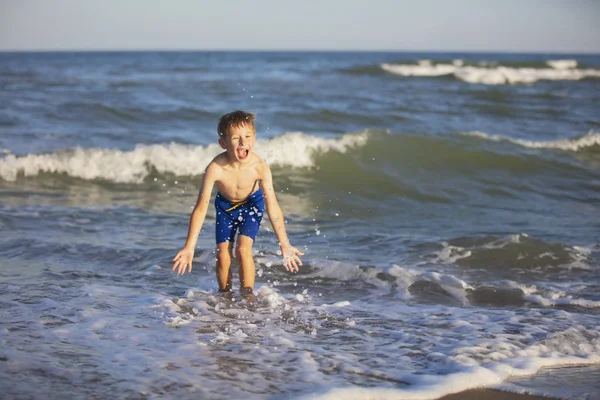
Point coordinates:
[[243, 253], [224, 255]]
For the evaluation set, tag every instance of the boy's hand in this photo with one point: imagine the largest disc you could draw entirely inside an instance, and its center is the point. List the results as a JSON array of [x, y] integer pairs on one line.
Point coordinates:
[[291, 261], [183, 260]]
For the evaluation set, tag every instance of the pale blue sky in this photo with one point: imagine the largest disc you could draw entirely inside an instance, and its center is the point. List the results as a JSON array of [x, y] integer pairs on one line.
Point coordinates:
[[410, 25]]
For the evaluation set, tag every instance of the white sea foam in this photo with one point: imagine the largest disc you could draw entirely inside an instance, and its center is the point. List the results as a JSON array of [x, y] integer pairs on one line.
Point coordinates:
[[495, 75], [550, 297], [562, 64], [289, 150], [429, 387], [429, 351], [450, 254], [401, 278], [575, 144]]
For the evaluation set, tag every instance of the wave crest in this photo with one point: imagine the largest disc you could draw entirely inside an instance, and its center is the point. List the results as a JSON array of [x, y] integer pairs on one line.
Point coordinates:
[[181, 160], [588, 140]]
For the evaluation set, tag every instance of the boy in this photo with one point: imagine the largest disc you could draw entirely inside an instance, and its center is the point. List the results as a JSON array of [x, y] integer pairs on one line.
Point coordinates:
[[242, 179]]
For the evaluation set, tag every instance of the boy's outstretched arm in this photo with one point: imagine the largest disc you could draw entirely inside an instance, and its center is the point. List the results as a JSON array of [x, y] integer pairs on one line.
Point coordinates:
[[290, 254], [183, 259]]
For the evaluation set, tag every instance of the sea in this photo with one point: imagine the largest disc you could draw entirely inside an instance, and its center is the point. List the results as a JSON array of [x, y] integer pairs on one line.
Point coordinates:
[[448, 205]]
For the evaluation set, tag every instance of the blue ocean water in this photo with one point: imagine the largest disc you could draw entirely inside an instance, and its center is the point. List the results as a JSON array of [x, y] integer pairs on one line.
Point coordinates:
[[448, 205]]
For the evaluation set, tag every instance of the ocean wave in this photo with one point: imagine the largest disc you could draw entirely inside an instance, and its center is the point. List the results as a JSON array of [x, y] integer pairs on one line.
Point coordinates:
[[591, 139], [181, 160], [513, 251], [493, 74], [432, 287], [111, 113], [371, 158]]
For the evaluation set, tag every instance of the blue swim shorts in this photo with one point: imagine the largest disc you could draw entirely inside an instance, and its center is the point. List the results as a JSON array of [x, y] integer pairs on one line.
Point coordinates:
[[244, 216]]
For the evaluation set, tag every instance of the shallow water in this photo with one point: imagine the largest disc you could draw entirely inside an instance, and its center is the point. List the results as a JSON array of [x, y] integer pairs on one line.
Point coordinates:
[[450, 223]]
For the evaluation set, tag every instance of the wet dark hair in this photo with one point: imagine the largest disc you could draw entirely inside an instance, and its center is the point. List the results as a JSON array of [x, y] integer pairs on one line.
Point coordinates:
[[235, 119]]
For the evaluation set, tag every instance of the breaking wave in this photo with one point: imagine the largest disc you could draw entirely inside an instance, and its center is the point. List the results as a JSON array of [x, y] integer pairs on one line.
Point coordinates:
[[365, 157], [494, 74], [181, 160]]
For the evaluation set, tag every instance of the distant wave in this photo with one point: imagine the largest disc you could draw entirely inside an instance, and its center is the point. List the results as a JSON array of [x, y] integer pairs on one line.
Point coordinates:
[[494, 74], [591, 139], [181, 160]]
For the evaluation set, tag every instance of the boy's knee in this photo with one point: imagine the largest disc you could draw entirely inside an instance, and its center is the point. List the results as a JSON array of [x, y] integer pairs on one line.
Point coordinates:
[[223, 254], [243, 251]]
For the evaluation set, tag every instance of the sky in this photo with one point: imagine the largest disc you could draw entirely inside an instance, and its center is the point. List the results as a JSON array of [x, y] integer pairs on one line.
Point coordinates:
[[562, 26]]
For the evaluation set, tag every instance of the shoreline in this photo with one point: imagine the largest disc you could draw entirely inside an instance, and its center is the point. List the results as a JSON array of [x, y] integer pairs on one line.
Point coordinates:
[[492, 394]]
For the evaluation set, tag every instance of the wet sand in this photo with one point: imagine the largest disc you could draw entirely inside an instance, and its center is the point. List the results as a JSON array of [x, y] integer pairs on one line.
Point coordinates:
[[488, 394]]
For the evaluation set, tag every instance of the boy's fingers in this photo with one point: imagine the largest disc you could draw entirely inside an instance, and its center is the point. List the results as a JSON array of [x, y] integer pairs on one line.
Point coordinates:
[[298, 251], [179, 265]]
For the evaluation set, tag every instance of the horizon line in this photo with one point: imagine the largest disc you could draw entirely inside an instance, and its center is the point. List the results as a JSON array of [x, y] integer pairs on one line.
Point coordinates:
[[187, 50]]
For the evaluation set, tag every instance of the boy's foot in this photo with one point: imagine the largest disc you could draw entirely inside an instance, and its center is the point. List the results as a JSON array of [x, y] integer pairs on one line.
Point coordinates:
[[226, 293], [248, 294]]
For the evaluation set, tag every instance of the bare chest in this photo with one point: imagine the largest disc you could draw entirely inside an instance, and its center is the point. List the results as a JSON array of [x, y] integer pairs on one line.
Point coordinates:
[[237, 185]]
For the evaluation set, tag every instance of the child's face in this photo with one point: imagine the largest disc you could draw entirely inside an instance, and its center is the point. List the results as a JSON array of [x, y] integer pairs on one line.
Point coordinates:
[[239, 142]]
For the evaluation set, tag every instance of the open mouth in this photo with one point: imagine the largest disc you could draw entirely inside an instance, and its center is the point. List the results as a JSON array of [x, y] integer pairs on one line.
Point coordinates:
[[242, 153]]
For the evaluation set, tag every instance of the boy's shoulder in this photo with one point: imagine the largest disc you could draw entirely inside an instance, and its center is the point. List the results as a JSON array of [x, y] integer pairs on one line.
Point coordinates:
[[219, 160], [257, 159], [217, 164], [259, 163]]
